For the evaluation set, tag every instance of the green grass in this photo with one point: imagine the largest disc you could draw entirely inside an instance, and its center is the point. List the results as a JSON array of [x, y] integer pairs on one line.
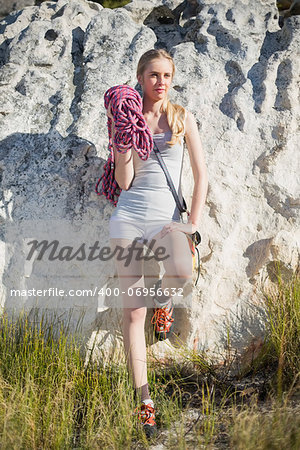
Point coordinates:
[[52, 397], [281, 348], [113, 3], [256, 429]]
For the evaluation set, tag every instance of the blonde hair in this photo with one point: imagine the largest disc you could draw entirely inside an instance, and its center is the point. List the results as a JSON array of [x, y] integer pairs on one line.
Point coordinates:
[[175, 113]]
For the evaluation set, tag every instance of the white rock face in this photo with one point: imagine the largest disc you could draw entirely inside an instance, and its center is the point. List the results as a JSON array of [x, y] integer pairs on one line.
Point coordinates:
[[237, 71]]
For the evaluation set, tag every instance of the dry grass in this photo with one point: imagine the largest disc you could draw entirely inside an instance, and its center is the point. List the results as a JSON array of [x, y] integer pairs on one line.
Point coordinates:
[[51, 398]]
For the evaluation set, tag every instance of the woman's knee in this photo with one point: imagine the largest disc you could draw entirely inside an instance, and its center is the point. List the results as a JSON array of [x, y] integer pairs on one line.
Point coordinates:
[[180, 269], [179, 264]]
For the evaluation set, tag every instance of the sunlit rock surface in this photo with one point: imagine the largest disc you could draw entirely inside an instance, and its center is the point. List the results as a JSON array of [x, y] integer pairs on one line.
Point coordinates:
[[236, 71]]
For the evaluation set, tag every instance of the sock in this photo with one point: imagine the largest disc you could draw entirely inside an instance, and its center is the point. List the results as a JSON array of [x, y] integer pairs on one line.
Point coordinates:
[[142, 392], [161, 300], [147, 401]]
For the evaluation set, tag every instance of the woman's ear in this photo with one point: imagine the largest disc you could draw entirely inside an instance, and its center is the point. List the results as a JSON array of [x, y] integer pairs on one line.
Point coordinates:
[[140, 80]]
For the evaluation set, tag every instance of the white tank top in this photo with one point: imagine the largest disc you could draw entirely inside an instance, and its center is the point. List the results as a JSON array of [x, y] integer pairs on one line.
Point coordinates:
[[149, 197]]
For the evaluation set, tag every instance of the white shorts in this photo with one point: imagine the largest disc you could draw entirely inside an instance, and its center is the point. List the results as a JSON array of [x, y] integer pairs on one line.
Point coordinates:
[[123, 227]]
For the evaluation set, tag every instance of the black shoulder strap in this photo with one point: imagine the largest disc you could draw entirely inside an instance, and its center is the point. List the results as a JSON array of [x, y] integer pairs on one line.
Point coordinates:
[[169, 180]]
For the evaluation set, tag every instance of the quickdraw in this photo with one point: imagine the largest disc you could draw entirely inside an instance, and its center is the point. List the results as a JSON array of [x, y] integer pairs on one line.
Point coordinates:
[[194, 240]]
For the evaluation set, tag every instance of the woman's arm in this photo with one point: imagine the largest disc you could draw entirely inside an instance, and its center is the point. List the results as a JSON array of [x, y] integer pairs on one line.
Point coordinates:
[[124, 170], [197, 160]]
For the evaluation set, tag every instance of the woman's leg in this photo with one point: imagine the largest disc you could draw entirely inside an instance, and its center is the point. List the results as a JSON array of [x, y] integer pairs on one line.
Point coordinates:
[[178, 271], [134, 314], [179, 265]]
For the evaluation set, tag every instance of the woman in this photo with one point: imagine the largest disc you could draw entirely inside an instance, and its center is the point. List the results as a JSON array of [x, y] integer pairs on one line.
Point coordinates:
[[147, 211]]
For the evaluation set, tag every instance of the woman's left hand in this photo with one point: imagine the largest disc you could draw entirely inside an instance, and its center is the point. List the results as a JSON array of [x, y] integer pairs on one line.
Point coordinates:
[[188, 228]]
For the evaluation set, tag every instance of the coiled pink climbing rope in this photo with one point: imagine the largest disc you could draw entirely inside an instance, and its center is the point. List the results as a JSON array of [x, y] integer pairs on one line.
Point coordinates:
[[131, 131]]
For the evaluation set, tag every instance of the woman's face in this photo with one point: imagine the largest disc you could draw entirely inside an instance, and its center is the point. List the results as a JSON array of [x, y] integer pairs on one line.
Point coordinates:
[[157, 78]]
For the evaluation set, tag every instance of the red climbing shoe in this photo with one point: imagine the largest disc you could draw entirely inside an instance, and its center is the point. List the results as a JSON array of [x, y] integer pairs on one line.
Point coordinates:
[[163, 321], [146, 416]]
